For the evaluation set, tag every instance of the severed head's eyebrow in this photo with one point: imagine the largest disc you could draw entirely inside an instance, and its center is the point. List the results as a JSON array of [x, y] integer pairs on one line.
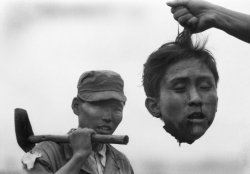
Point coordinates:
[[187, 78]]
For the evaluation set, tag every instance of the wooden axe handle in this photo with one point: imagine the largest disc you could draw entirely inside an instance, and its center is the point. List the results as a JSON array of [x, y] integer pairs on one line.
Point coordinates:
[[113, 139]]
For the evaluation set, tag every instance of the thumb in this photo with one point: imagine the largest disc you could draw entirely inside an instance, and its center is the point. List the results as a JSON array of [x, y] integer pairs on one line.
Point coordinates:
[[176, 3]]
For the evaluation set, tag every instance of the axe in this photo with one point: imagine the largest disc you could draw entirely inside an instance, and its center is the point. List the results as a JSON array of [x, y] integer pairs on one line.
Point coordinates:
[[26, 138]]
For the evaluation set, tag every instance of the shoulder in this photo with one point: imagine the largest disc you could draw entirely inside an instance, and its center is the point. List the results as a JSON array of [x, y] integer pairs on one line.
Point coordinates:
[[48, 147], [121, 158], [116, 153], [51, 154]]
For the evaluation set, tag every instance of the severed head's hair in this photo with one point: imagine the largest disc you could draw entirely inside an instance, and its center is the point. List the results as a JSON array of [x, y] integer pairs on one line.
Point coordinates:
[[170, 53]]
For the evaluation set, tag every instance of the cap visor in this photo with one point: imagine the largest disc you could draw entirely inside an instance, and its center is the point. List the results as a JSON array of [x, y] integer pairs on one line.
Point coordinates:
[[103, 95]]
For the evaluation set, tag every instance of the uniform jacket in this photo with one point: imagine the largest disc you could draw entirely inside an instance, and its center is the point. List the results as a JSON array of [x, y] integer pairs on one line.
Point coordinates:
[[49, 157]]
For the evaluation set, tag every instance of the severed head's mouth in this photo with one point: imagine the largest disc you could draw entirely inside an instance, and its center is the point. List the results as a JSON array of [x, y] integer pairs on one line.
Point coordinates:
[[196, 116]]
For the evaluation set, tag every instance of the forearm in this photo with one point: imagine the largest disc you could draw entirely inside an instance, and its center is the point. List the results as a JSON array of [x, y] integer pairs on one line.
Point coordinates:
[[73, 166], [234, 23]]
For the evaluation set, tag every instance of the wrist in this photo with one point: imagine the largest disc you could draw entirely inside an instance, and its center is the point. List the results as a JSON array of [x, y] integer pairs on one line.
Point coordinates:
[[80, 155], [74, 164], [216, 17], [222, 18]]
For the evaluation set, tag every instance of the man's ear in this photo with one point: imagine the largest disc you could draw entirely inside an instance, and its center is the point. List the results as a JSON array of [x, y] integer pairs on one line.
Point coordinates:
[[152, 106], [217, 104], [74, 106]]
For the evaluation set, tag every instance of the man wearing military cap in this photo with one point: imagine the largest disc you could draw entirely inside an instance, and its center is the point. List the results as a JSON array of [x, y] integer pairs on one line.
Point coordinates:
[[99, 106]]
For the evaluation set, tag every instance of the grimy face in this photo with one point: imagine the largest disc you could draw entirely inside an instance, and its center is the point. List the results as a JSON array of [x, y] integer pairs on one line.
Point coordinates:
[[188, 100], [102, 116]]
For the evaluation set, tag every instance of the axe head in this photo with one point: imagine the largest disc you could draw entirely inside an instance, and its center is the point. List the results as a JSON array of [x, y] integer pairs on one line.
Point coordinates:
[[23, 129]]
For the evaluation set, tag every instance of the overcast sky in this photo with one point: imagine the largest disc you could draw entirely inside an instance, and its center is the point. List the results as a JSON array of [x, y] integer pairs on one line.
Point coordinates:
[[45, 46]]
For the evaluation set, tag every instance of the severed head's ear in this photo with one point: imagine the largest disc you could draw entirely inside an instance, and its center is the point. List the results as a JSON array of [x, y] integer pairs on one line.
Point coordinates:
[[153, 107], [74, 105]]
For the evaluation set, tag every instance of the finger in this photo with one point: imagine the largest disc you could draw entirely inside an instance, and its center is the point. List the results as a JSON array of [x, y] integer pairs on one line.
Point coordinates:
[[80, 134], [174, 9], [193, 21], [180, 12], [87, 131], [177, 3], [192, 24], [90, 131], [183, 20]]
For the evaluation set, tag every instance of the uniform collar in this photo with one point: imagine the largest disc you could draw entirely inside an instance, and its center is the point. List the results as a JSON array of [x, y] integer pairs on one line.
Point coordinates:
[[112, 163], [102, 153]]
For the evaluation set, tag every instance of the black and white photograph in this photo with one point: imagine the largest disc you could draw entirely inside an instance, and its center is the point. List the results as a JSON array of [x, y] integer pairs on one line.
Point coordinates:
[[124, 87]]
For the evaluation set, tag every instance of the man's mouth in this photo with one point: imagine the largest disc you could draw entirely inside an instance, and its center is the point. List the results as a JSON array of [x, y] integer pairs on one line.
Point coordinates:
[[104, 129]]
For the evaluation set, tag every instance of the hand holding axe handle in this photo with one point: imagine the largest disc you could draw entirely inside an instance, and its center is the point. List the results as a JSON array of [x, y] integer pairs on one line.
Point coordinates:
[[26, 138]]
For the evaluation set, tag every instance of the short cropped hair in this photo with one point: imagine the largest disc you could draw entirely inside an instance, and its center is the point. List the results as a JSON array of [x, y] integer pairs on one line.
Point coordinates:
[[170, 53]]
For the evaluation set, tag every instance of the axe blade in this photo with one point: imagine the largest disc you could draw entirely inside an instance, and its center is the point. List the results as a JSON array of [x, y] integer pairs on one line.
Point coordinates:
[[23, 129]]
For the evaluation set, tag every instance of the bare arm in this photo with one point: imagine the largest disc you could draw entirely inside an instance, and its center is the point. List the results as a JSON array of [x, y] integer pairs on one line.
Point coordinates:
[[80, 141], [198, 15], [73, 166]]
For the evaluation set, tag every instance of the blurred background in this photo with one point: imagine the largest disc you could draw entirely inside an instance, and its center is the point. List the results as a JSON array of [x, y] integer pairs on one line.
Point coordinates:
[[46, 45]]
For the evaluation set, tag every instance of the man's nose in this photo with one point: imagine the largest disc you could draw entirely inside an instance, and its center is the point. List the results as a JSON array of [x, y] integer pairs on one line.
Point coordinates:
[[107, 115], [194, 98]]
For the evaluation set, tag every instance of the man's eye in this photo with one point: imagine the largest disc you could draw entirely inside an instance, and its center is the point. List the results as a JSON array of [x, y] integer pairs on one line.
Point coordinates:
[[118, 109]]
